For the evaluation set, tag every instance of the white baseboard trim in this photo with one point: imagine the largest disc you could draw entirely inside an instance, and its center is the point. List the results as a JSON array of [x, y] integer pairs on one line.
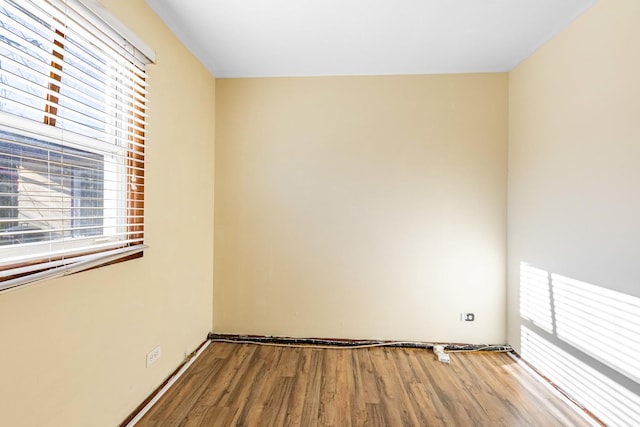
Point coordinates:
[[167, 386]]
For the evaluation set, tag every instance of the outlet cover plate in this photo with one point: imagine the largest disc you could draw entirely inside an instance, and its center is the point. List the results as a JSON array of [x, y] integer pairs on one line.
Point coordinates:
[[467, 317], [154, 355]]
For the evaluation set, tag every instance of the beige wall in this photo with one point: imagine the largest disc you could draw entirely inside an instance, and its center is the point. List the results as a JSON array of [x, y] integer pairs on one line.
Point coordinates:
[[574, 150], [72, 350], [574, 205], [361, 207]]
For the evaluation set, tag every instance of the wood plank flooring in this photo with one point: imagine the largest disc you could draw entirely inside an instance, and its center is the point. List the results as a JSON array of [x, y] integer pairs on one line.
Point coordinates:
[[253, 385]]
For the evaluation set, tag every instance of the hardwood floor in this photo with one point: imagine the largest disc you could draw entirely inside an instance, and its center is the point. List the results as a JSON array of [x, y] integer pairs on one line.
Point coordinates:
[[253, 385]]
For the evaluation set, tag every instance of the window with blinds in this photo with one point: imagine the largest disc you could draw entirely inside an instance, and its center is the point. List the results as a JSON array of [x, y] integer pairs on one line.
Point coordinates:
[[72, 134]]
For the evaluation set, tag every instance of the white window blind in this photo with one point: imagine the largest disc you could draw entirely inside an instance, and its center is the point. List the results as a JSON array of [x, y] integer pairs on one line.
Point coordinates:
[[72, 135]]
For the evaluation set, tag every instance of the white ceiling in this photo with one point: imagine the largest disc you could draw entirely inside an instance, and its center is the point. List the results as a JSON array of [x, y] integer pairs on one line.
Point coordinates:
[[260, 38]]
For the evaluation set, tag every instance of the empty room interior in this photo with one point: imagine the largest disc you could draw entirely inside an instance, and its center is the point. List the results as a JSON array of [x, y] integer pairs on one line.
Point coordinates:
[[319, 212]]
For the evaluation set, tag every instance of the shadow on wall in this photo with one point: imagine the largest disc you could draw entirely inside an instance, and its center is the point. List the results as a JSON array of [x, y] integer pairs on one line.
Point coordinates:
[[584, 338]]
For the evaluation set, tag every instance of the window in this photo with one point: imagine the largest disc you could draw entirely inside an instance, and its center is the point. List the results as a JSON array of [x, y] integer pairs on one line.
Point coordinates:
[[72, 135]]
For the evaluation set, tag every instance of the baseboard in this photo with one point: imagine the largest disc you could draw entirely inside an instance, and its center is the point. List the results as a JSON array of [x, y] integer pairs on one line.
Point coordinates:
[[148, 403]]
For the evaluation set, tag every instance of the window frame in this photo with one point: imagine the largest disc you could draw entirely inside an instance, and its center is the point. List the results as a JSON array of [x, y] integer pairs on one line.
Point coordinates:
[[132, 135]]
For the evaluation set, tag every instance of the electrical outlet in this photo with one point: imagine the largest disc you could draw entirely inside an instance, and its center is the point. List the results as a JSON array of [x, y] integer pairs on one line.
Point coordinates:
[[467, 317], [154, 355]]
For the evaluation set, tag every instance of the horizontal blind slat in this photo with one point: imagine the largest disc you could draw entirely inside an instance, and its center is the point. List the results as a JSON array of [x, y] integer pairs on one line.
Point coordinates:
[[112, 127], [108, 118], [44, 78]]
